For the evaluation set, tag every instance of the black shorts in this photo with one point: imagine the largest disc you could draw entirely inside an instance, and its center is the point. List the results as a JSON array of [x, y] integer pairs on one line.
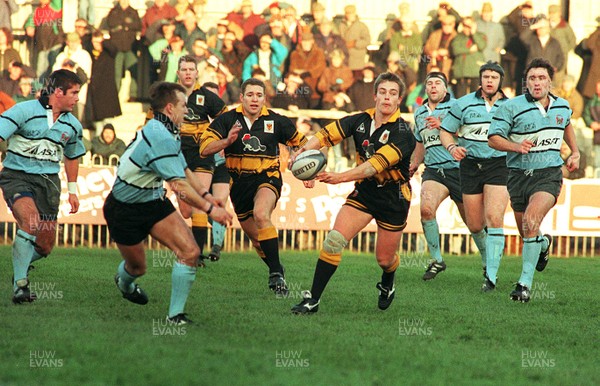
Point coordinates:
[[388, 204], [450, 178], [129, 224], [191, 152], [221, 175], [522, 184], [244, 188], [44, 189], [474, 173]]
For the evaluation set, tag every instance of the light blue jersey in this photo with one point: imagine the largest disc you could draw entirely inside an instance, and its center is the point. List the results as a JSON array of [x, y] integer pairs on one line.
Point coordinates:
[[435, 155], [154, 156], [470, 117], [524, 118], [37, 143]]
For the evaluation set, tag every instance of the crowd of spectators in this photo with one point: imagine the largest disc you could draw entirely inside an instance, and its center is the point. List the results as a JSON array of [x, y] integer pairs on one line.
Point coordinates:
[[308, 61]]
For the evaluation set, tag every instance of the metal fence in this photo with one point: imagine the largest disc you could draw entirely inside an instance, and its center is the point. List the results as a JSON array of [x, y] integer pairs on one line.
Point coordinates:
[[411, 244]]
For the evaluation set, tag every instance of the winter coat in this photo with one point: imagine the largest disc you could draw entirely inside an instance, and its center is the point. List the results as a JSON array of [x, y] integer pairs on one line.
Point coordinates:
[[10, 55], [333, 81], [278, 56], [494, 35], [313, 62], [465, 64], [359, 33], [551, 52], [434, 43], [330, 43], [103, 98], [123, 25], [234, 59], [410, 53], [565, 36], [592, 43]]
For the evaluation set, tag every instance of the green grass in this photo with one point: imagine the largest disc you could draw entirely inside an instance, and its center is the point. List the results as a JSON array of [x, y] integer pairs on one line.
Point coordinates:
[[461, 337]]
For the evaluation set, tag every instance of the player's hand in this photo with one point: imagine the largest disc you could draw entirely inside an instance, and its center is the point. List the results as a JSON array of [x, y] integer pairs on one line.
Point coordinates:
[[74, 201], [458, 153], [221, 216], [573, 162], [433, 122], [413, 168], [525, 146], [218, 202], [309, 184], [234, 133], [293, 156], [329, 177]]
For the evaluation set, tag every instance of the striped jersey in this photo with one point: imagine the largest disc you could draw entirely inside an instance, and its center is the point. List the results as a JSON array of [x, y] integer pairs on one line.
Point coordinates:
[[470, 119], [387, 148], [435, 155], [525, 118], [154, 156], [256, 149], [37, 143]]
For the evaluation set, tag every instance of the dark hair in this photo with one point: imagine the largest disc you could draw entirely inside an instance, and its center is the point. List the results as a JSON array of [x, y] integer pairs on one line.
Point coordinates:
[[62, 79], [389, 77], [97, 33], [9, 36], [540, 63], [252, 82], [257, 71], [163, 93], [210, 85], [186, 59]]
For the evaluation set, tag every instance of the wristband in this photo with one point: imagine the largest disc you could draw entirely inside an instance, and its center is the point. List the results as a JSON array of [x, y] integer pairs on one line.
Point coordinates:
[[205, 194], [210, 208], [72, 187], [450, 147]]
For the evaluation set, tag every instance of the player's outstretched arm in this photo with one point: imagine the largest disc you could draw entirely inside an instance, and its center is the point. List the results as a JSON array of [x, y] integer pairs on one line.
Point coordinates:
[[202, 190], [216, 146], [360, 172], [186, 193]]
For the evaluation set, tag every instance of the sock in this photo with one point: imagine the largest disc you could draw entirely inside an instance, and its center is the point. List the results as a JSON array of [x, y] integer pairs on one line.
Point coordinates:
[[200, 229], [479, 238], [261, 254], [22, 251], [269, 243], [125, 279], [218, 234], [432, 235], [323, 272], [36, 256], [531, 253], [494, 246], [545, 242], [387, 277], [182, 278]]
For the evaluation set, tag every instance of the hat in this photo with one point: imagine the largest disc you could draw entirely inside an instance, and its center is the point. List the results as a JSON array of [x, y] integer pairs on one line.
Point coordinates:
[[554, 8], [316, 7], [108, 126], [224, 22], [73, 37], [487, 7], [336, 54], [390, 17], [492, 66], [437, 75], [274, 4], [350, 8], [307, 36]]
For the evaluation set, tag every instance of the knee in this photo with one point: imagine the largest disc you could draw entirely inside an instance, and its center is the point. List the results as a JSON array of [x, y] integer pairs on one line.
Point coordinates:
[[334, 243], [495, 220], [262, 218], [189, 256], [136, 268], [43, 249], [427, 213], [388, 262]]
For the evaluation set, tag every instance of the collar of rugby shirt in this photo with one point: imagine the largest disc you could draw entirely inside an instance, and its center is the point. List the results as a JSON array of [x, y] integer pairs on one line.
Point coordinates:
[[169, 124]]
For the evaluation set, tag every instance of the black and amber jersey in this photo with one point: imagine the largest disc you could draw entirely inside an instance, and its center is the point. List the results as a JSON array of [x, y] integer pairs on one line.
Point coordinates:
[[257, 148], [388, 148], [201, 104]]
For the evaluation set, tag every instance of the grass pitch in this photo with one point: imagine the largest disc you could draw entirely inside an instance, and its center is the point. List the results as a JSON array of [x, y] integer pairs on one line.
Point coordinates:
[[81, 332]]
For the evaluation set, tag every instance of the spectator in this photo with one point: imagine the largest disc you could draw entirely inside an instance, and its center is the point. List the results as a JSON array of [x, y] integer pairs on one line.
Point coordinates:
[[9, 80], [6, 102], [159, 11], [273, 10], [309, 59], [329, 41], [168, 54], [406, 74], [567, 91], [408, 43], [269, 57], [361, 91], [467, 55], [245, 17], [124, 23], [74, 52], [493, 32], [181, 6], [276, 30], [314, 19], [357, 37], [188, 29], [561, 31], [592, 44], [444, 9], [103, 97], [44, 25], [292, 26], [514, 61], [335, 80], [565, 153], [293, 94], [591, 116], [234, 52], [437, 47], [26, 90], [209, 68], [87, 11], [84, 30], [7, 53], [540, 44], [229, 86], [107, 148], [215, 41], [388, 31], [7, 8]]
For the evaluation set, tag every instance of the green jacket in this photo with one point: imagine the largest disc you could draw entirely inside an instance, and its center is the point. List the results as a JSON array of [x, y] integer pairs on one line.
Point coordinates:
[[465, 64]]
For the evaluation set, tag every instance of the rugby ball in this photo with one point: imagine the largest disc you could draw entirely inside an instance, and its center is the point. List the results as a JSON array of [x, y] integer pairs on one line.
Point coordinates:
[[308, 164]]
